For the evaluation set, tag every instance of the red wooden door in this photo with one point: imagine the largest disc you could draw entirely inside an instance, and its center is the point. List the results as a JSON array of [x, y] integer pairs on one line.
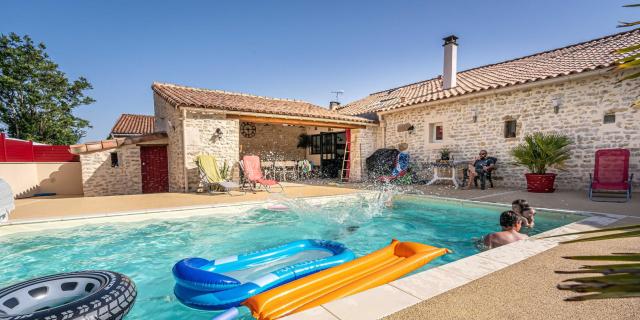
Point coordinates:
[[155, 169]]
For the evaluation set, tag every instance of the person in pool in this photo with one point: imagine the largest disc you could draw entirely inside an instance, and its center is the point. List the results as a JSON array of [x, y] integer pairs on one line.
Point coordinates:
[[525, 211], [511, 224]]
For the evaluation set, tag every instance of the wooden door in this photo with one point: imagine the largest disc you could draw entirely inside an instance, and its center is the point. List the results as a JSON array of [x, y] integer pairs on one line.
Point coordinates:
[[155, 169]]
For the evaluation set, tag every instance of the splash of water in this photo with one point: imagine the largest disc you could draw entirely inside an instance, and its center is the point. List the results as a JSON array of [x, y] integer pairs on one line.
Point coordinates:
[[341, 211]]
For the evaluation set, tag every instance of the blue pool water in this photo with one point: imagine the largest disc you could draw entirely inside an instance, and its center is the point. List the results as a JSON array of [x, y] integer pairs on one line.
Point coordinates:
[[146, 251]]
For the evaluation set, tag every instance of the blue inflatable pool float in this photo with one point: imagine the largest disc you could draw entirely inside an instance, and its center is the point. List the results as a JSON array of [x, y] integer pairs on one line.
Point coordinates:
[[226, 282]]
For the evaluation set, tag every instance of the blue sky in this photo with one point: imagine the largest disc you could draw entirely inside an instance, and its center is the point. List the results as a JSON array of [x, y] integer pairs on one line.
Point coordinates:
[[288, 49]]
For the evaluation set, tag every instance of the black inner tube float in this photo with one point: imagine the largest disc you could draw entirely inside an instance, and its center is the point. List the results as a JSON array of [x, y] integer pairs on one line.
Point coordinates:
[[100, 295]]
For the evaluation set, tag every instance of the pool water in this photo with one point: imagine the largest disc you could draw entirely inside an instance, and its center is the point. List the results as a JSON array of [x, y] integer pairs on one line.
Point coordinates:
[[146, 251]]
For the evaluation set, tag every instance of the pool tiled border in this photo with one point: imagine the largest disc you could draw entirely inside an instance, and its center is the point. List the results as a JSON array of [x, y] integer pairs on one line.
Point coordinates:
[[390, 298], [377, 302], [218, 210]]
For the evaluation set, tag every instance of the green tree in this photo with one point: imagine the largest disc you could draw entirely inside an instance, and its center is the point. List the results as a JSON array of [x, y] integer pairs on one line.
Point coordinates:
[[36, 98]]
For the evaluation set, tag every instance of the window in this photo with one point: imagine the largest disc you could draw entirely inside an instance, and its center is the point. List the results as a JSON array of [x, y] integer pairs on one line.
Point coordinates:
[[436, 132], [609, 118], [510, 128], [328, 143], [114, 160], [316, 144]]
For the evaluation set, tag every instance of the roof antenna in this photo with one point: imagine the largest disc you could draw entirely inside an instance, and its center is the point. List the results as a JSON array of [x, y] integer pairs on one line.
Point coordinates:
[[338, 93]]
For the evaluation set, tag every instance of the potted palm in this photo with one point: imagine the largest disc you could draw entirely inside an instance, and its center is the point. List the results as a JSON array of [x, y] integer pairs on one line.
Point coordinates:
[[538, 152]]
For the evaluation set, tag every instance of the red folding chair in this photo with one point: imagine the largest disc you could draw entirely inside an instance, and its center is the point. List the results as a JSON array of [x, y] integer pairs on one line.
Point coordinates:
[[611, 173], [253, 174]]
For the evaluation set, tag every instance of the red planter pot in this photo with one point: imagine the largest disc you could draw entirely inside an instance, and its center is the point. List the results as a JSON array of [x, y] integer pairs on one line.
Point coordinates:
[[540, 182]]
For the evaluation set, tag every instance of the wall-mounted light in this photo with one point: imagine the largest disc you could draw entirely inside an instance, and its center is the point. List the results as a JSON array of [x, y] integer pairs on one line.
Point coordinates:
[[217, 134], [555, 103], [411, 129], [474, 115]]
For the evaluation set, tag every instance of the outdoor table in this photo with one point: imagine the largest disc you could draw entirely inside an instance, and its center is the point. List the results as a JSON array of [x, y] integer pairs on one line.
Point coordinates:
[[440, 171]]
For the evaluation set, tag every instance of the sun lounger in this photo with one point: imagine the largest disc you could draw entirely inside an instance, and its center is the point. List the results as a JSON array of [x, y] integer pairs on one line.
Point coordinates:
[[253, 174], [611, 179], [210, 175]]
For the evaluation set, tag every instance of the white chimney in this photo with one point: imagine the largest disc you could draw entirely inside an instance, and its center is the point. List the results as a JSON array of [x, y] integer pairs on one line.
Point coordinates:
[[450, 62]]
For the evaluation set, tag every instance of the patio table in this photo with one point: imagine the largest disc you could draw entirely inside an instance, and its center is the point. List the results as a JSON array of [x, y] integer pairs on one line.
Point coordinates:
[[446, 171]]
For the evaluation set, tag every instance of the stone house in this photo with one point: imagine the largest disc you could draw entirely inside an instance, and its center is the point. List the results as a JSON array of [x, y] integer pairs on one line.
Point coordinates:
[[573, 90], [190, 121]]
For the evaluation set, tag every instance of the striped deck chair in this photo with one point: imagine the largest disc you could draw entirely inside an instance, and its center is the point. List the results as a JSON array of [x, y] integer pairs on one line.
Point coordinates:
[[210, 175]]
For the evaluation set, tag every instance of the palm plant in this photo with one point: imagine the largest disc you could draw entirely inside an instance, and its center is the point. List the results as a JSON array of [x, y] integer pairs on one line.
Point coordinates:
[[224, 171], [616, 280], [540, 151], [633, 59]]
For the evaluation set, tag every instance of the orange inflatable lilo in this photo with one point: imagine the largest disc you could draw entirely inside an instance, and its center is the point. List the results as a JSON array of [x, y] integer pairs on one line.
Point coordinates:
[[372, 270]]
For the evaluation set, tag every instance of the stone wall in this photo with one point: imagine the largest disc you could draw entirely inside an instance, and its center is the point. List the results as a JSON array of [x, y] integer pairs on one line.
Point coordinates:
[[99, 178], [583, 104], [364, 142], [274, 142], [201, 138], [169, 120]]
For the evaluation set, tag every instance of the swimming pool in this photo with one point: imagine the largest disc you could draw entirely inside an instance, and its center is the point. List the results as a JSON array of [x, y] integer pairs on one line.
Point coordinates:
[[147, 250]]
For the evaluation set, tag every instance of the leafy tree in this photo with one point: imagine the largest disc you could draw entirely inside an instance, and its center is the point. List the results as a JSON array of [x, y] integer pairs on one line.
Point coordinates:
[[36, 98]]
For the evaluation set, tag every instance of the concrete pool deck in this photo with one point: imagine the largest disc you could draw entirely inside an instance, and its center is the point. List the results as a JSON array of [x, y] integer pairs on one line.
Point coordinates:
[[495, 290], [527, 290], [54, 207]]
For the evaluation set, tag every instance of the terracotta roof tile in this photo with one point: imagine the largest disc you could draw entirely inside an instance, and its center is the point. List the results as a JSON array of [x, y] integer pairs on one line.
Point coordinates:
[[577, 58], [134, 124], [239, 102]]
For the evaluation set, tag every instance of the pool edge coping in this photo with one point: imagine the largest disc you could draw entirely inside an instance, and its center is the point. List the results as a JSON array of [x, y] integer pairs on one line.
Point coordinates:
[[409, 291], [29, 225]]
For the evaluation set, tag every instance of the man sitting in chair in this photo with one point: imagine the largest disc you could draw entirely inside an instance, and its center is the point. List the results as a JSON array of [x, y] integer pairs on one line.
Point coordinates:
[[482, 168]]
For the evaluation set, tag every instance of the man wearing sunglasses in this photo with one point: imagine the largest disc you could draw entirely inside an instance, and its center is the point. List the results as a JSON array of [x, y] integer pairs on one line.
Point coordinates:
[[483, 167]]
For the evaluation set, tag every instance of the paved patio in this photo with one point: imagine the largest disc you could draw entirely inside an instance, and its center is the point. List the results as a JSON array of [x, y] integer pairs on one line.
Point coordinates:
[[561, 199], [58, 207], [527, 290]]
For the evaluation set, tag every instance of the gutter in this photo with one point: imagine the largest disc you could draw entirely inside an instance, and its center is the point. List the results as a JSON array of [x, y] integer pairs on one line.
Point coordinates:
[[278, 116], [487, 92]]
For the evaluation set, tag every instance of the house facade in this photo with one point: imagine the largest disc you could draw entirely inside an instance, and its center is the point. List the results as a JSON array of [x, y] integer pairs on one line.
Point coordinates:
[[573, 90], [191, 121]]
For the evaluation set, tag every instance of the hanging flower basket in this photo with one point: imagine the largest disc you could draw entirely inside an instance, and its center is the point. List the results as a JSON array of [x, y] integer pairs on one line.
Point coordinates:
[[540, 182]]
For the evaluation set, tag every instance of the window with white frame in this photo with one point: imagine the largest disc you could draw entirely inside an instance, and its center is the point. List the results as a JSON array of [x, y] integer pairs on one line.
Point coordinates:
[[436, 132]]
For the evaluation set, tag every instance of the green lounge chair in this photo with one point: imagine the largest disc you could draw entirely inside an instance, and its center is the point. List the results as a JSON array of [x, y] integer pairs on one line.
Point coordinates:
[[210, 175]]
